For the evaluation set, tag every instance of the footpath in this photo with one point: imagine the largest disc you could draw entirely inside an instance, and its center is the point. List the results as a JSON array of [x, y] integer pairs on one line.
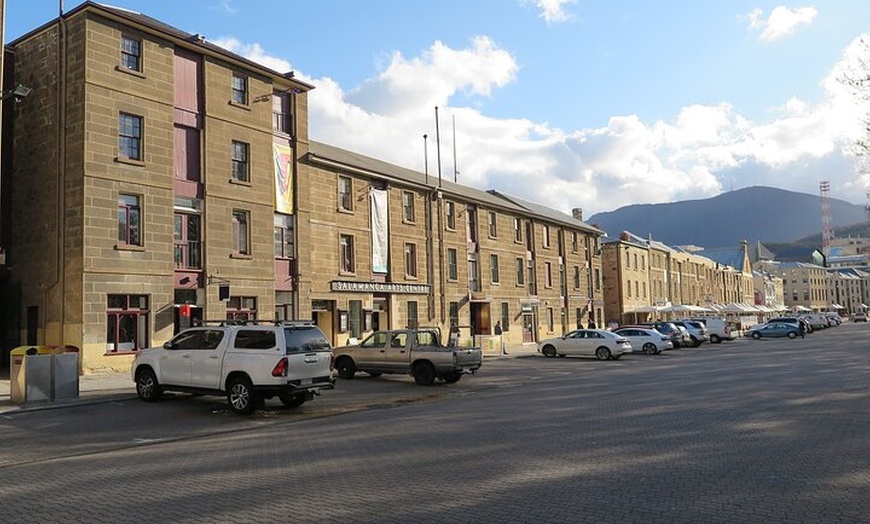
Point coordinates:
[[106, 387]]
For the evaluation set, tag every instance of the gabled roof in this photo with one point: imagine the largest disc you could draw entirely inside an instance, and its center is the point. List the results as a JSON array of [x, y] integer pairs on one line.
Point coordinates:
[[320, 153], [726, 256]]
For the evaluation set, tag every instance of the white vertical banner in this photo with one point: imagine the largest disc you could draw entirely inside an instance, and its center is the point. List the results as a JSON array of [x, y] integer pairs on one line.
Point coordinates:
[[380, 236]]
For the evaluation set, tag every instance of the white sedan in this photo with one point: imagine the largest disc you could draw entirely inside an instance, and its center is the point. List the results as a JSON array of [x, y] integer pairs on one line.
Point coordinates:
[[650, 341], [602, 344]]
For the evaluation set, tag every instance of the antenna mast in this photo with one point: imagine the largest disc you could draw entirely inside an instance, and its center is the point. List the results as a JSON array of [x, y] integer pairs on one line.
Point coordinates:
[[827, 226]]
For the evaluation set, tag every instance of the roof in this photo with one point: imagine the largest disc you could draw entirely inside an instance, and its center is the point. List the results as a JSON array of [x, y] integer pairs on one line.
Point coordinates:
[[726, 256], [320, 153], [191, 40]]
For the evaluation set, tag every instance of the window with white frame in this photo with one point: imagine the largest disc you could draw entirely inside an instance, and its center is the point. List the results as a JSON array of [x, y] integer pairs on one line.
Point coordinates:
[[518, 229], [452, 264], [242, 308], [187, 237], [546, 236], [131, 54], [548, 274], [493, 268], [521, 271], [285, 244]]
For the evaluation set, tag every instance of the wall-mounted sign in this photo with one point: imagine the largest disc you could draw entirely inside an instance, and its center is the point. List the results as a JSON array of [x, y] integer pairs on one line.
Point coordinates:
[[379, 287]]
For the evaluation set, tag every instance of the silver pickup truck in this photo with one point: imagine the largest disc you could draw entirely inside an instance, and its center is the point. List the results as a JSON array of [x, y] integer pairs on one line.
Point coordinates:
[[417, 352]]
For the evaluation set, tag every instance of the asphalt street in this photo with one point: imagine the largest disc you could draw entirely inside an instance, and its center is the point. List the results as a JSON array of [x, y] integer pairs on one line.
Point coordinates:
[[770, 431]]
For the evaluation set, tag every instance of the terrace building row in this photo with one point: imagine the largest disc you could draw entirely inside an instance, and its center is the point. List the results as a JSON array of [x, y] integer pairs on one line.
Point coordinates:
[[152, 179]]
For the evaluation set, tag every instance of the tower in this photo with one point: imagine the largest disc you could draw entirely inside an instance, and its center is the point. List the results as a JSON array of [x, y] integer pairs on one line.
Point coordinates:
[[827, 226]]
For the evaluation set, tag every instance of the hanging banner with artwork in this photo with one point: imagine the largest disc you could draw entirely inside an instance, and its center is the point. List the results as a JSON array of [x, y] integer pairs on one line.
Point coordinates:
[[283, 178], [380, 237]]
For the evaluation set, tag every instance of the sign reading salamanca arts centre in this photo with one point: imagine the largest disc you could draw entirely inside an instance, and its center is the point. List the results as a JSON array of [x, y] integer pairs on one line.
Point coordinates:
[[379, 287]]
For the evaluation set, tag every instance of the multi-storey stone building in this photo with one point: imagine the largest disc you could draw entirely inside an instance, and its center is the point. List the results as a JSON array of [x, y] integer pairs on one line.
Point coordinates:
[[646, 279], [804, 284], [157, 180]]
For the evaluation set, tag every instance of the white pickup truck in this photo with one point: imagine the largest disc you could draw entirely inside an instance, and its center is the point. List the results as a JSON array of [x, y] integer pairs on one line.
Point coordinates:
[[246, 361], [417, 352]]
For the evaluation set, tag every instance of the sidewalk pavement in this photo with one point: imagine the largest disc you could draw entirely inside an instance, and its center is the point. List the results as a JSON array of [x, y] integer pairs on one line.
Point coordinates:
[[104, 387]]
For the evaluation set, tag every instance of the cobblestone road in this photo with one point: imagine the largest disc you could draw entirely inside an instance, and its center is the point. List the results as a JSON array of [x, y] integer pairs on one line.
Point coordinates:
[[743, 432]]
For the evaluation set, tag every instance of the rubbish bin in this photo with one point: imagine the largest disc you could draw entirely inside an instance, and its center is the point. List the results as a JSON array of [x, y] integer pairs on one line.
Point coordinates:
[[30, 373], [43, 373]]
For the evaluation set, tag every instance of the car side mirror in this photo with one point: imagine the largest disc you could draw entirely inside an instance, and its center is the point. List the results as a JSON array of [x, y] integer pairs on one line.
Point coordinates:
[[169, 345]]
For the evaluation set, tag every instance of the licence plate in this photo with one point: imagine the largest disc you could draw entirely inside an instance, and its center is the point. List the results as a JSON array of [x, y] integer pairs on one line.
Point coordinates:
[[306, 381]]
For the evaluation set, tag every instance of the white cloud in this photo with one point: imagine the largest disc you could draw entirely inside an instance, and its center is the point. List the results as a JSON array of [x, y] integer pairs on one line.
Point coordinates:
[[552, 11], [782, 21], [253, 52], [702, 151]]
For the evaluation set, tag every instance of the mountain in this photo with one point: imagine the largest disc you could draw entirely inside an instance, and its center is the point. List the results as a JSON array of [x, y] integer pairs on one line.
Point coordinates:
[[755, 213]]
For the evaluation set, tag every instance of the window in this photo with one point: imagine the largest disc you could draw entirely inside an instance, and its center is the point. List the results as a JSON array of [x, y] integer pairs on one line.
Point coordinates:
[[493, 268], [345, 193], [130, 136], [241, 245], [642, 262], [492, 224], [129, 220], [573, 241], [240, 89], [550, 319], [131, 54], [521, 272], [408, 206], [518, 230], [242, 308], [454, 313], [127, 325], [281, 112], [576, 277], [412, 314], [345, 254], [452, 264], [188, 241], [505, 316], [635, 261], [240, 161], [548, 275], [450, 212], [284, 236], [254, 339], [546, 236], [411, 260]]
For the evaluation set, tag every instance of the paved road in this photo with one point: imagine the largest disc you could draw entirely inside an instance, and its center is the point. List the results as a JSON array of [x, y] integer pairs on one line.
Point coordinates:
[[755, 432]]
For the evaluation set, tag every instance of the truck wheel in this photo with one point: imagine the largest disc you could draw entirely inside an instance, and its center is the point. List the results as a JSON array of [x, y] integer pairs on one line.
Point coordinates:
[[424, 374], [292, 400], [346, 368], [147, 386], [452, 378], [241, 396]]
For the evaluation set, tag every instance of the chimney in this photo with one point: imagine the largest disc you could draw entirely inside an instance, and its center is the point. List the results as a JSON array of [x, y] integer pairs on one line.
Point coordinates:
[[577, 212]]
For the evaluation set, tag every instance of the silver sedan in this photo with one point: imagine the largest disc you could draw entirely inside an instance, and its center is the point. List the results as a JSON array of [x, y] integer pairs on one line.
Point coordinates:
[[599, 343]]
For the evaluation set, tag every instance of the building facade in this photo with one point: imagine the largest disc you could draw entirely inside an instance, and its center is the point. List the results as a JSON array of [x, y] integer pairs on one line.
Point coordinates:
[[157, 180]]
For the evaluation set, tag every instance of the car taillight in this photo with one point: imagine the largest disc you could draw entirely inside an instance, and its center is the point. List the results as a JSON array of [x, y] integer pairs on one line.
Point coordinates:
[[280, 369]]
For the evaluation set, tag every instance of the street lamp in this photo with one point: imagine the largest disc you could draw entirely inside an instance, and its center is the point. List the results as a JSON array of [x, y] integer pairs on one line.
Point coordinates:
[[19, 93]]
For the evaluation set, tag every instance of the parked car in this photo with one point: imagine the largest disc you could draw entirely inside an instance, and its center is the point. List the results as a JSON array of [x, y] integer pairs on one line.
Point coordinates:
[[245, 361], [859, 317], [717, 328], [834, 318], [774, 329], [794, 320], [670, 330], [816, 320], [602, 344], [697, 331], [650, 341]]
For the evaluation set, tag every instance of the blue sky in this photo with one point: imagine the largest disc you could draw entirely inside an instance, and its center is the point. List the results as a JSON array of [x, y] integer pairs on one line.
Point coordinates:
[[568, 103]]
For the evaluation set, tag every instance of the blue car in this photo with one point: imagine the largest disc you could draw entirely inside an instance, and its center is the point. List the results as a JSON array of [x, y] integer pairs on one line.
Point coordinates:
[[774, 329]]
